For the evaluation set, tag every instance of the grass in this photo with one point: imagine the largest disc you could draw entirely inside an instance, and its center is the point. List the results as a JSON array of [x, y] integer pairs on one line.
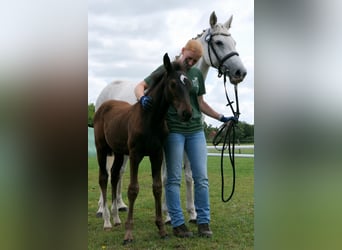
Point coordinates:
[[232, 223]]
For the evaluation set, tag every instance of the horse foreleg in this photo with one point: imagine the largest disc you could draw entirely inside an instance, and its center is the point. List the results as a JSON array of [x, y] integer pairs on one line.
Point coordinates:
[[132, 193], [156, 165], [190, 208]]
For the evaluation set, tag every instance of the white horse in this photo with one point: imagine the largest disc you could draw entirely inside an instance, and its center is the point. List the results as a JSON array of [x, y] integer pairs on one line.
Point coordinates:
[[220, 53]]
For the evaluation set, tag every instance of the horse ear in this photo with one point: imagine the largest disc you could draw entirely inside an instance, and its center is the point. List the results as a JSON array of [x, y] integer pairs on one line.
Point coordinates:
[[229, 22], [213, 19], [167, 63]]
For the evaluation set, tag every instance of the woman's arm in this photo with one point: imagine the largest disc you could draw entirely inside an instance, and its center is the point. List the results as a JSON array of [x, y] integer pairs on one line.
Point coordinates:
[[207, 110]]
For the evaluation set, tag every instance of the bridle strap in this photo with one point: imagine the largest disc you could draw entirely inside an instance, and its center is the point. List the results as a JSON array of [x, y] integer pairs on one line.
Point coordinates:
[[220, 68], [237, 112]]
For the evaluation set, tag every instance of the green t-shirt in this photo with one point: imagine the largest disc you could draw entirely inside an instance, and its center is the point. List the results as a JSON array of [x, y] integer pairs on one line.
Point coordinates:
[[198, 89]]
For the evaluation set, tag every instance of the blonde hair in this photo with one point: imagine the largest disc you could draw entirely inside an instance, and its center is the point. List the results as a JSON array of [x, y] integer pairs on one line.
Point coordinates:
[[194, 46]]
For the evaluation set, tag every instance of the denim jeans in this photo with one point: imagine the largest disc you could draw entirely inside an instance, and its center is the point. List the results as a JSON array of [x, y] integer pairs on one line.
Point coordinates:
[[195, 146]]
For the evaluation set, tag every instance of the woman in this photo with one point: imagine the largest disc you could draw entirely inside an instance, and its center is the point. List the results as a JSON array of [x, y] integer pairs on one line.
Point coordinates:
[[188, 136]]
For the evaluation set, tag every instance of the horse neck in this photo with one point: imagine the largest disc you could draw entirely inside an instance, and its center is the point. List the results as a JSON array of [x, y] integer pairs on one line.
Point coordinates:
[[203, 67]]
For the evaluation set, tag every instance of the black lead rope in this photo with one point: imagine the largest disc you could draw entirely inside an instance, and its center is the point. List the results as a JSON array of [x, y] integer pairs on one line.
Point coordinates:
[[226, 135]]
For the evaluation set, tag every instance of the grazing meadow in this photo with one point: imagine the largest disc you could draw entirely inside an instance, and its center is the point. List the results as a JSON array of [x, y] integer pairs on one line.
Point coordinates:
[[232, 222]]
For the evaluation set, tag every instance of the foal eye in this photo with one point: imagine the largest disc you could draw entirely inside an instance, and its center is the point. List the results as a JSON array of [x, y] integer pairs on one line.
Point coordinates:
[[183, 79]]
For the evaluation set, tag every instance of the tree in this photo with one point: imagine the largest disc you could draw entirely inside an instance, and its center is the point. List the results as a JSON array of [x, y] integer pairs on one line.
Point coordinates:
[[244, 132], [91, 112]]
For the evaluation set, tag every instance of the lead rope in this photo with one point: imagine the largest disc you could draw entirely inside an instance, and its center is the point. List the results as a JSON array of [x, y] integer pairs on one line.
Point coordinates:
[[226, 135]]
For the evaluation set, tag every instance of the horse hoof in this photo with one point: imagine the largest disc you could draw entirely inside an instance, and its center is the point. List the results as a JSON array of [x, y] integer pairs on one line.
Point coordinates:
[[168, 222], [99, 215], [123, 209], [125, 242], [107, 229], [117, 224]]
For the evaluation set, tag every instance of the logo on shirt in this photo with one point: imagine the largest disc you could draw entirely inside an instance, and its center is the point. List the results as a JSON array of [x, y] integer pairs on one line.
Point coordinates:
[[195, 84]]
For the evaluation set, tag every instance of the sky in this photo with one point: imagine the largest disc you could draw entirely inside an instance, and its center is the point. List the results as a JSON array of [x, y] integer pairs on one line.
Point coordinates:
[[127, 40]]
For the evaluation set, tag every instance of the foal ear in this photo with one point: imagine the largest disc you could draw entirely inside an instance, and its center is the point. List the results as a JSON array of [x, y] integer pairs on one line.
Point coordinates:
[[167, 63]]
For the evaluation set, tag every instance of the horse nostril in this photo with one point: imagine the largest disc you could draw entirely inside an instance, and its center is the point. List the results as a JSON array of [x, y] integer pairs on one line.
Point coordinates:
[[240, 74]]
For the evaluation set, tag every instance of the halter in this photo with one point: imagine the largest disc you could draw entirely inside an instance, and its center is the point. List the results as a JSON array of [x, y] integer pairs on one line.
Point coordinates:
[[221, 68]]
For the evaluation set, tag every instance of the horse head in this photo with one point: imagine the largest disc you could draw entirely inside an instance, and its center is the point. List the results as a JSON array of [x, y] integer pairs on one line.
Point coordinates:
[[219, 50], [178, 87]]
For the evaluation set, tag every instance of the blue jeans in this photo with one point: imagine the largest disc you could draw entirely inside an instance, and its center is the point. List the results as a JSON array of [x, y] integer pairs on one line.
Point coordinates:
[[195, 146]]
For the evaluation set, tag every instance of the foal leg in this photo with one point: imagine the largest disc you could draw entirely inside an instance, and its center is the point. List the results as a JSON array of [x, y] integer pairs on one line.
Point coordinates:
[[120, 203], [115, 176], [103, 181], [109, 164], [164, 206], [133, 190], [190, 208], [156, 164]]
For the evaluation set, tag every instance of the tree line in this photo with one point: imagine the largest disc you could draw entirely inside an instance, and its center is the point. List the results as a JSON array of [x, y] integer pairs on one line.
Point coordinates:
[[244, 132]]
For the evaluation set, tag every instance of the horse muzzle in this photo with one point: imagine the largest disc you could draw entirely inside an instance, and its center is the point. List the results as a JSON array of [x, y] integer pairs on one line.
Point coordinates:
[[236, 77]]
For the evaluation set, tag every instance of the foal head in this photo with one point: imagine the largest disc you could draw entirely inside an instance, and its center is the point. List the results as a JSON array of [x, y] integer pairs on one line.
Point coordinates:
[[177, 88]]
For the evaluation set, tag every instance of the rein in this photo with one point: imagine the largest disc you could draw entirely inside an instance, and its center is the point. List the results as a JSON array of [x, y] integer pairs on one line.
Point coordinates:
[[226, 135]]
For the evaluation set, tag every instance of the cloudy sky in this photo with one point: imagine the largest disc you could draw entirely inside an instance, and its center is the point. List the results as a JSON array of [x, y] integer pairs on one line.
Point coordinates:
[[127, 40]]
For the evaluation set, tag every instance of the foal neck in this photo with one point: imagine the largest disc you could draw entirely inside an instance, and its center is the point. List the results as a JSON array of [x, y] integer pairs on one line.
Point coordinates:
[[160, 103]]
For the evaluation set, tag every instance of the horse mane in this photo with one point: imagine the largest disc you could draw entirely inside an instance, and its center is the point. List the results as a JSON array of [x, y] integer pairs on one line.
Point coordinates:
[[218, 26], [198, 35]]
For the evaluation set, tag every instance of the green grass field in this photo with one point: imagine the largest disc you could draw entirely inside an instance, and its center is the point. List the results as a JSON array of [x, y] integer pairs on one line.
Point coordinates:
[[232, 223]]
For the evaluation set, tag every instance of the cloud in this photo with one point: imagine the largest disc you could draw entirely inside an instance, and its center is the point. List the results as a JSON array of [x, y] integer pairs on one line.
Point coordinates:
[[127, 41]]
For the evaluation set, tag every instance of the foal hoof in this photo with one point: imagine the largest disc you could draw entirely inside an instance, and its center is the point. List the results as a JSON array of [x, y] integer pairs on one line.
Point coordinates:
[[125, 242], [164, 237], [193, 221], [123, 209], [99, 215]]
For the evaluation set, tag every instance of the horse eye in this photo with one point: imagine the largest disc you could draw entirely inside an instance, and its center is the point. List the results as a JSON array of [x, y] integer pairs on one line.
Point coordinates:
[[183, 79], [219, 43]]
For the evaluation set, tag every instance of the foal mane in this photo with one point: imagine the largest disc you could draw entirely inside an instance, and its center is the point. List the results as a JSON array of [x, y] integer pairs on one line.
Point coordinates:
[[161, 78]]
